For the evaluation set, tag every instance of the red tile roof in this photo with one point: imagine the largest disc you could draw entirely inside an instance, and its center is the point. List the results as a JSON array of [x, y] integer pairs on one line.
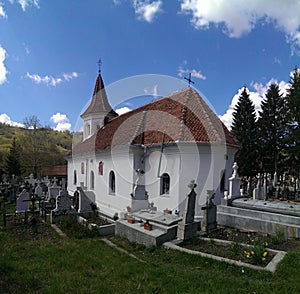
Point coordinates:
[[55, 170], [183, 116]]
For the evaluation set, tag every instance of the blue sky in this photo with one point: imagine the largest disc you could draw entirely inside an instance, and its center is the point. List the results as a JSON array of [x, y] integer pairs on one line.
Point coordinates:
[[49, 50]]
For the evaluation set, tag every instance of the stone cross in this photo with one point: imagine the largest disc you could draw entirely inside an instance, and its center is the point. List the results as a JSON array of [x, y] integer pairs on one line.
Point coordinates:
[[187, 228], [54, 182]]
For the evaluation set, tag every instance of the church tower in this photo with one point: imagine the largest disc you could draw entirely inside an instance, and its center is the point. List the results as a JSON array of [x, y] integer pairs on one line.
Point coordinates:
[[99, 112]]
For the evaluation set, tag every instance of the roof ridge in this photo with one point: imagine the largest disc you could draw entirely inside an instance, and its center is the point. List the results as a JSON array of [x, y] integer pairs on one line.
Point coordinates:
[[140, 126], [183, 115]]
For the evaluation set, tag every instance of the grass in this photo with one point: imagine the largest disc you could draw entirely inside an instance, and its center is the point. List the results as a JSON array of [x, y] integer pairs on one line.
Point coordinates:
[[51, 264]]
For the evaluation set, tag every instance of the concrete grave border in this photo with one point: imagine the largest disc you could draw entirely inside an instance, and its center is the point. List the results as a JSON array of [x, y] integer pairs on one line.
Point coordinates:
[[271, 266]]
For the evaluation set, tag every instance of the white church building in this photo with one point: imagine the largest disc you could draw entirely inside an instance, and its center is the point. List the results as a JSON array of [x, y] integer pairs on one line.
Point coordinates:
[[148, 156]]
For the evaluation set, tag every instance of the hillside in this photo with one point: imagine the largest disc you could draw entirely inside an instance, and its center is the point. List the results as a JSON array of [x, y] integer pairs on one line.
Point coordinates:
[[44, 146]]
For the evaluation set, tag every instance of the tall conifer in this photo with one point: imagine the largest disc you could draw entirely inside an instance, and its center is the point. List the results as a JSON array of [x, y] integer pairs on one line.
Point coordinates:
[[12, 162], [293, 103], [272, 130], [244, 128]]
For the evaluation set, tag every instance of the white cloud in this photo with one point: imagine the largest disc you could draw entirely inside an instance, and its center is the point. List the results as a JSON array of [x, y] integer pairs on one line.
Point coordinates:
[[62, 122], [240, 17], [147, 10], [153, 91], [70, 76], [25, 3], [194, 73], [50, 80], [256, 97], [2, 12], [5, 119], [122, 110], [3, 70]]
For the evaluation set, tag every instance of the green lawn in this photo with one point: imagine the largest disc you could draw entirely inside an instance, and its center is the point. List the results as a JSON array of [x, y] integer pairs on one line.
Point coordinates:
[[48, 263]]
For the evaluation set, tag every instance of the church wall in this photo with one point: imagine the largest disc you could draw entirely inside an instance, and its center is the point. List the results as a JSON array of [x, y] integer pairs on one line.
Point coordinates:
[[182, 163], [170, 164]]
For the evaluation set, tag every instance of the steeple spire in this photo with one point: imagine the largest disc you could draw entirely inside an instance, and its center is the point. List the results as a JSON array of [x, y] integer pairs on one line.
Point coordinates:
[[99, 108]]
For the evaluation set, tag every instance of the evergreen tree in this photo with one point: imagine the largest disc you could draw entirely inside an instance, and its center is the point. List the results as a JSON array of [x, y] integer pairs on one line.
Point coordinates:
[[12, 162], [272, 123], [293, 103], [244, 128]]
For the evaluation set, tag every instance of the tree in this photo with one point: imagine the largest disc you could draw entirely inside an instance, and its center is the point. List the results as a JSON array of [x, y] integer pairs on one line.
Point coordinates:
[[293, 106], [244, 128], [12, 161], [272, 129]]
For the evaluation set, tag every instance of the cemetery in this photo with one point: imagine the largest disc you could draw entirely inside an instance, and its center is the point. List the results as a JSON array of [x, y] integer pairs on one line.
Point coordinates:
[[268, 222], [212, 222]]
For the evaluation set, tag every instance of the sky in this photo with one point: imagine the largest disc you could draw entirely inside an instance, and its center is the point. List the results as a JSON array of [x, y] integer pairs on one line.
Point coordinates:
[[49, 52]]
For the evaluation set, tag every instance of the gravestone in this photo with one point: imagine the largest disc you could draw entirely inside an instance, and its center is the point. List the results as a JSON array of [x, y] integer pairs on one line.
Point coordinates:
[[257, 192], [38, 191], [63, 207], [139, 198], [234, 183], [188, 227], [53, 190], [209, 220], [31, 180], [23, 202]]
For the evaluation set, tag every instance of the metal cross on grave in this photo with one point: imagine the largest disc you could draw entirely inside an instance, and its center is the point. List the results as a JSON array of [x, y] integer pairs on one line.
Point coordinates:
[[189, 79]]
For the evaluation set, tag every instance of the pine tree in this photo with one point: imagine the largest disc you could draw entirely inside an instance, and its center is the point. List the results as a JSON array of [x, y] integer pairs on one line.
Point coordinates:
[[12, 162], [293, 105], [244, 128], [272, 129]]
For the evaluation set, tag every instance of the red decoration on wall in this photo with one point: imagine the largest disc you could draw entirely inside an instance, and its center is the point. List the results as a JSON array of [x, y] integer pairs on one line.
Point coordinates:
[[101, 168]]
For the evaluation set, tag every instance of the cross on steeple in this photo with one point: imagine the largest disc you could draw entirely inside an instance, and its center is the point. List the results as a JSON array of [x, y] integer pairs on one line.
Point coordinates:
[[189, 79], [99, 65]]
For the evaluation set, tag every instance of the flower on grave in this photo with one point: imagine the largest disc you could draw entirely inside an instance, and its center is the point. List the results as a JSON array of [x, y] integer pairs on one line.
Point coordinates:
[[265, 253], [263, 259], [252, 252]]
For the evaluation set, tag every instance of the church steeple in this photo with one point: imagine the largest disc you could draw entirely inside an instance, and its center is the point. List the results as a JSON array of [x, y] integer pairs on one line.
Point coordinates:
[[98, 110]]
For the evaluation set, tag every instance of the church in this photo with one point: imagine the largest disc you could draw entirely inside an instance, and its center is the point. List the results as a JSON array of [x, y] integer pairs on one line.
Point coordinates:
[[146, 158]]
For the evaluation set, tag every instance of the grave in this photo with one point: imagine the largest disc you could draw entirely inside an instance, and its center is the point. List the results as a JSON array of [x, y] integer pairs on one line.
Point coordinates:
[[209, 219], [23, 203], [163, 227], [188, 227], [53, 191], [153, 228], [263, 216], [64, 208]]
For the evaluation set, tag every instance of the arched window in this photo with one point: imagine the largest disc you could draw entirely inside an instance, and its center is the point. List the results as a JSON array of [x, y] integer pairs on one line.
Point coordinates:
[[101, 168], [164, 184], [88, 129], [92, 180], [222, 181], [112, 182], [75, 177]]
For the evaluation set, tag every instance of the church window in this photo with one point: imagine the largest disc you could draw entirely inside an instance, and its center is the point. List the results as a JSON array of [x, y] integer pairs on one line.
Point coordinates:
[[112, 182], [164, 184], [82, 167], [222, 181], [75, 177], [88, 129], [92, 180], [101, 168]]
